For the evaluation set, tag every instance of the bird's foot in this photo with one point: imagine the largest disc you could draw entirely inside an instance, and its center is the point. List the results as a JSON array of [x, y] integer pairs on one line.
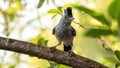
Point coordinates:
[[52, 49], [70, 53]]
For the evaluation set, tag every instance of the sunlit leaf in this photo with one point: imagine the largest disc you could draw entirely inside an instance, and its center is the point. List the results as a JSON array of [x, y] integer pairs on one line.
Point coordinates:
[[11, 13], [111, 59], [59, 8], [42, 41], [53, 11], [98, 16], [13, 66], [40, 3], [114, 10], [10, 10], [18, 5], [34, 40], [63, 66], [99, 32], [117, 53], [11, 16]]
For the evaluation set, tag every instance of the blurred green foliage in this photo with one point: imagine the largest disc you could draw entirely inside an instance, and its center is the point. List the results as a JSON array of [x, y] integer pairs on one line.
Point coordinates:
[[99, 16], [53, 11], [117, 53], [99, 32], [42, 41], [102, 21], [40, 3], [114, 10]]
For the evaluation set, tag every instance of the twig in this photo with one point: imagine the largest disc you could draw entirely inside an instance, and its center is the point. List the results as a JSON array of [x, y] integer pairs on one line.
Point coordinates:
[[44, 52], [81, 25], [105, 45], [102, 41]]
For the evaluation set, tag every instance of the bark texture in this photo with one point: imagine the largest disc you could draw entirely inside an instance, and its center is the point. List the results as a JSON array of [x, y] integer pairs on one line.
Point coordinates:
[[42, 52]]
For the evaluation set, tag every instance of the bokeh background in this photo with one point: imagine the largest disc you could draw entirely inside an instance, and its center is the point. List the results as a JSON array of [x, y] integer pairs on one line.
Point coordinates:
[[33, 21]]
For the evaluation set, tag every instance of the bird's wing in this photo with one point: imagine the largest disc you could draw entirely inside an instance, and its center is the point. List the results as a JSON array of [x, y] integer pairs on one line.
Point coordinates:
[[53, 31], [73, 32]]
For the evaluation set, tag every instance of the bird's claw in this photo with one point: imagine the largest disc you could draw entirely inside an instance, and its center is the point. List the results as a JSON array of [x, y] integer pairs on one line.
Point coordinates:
[[71, 53], [52, 48]]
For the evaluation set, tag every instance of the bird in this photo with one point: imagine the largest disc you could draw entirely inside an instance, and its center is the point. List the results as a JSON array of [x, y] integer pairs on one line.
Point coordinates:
[[64, 32]]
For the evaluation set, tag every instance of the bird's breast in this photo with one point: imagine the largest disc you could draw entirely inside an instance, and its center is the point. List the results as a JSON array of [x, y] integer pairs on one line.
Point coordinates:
[[63, 34]]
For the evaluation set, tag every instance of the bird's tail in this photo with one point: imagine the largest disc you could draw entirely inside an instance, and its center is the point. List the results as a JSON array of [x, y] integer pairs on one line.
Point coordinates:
[[67, 47]]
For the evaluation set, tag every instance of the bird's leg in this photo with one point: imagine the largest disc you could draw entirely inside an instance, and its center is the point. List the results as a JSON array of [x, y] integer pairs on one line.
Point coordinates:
[[71, 52], [68, 48], [54, 47]]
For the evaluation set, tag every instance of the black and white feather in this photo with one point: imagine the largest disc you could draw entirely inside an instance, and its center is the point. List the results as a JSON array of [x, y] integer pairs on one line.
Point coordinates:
[[63, 31]]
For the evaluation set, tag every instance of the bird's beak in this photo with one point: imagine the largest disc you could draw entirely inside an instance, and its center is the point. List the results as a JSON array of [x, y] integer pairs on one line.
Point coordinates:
[[71, 18]]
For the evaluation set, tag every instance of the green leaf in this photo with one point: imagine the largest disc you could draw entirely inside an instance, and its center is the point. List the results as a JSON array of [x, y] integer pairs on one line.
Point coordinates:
[[111, 59], [117, 65], [54, 65], [98, 16], [40, 3], [54, 16], [114, 10], [42, 41], [12, 66], [117, 53], [63, 66], [11, 16], [11, 13], [53, 11], [59, 8], [99, 32]]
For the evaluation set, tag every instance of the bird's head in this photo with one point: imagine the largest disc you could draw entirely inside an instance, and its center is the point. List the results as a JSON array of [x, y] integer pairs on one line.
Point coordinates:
[[68, 14]]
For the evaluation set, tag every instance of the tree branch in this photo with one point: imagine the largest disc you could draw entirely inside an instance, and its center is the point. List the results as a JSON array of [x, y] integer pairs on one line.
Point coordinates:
[[44, 53]]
